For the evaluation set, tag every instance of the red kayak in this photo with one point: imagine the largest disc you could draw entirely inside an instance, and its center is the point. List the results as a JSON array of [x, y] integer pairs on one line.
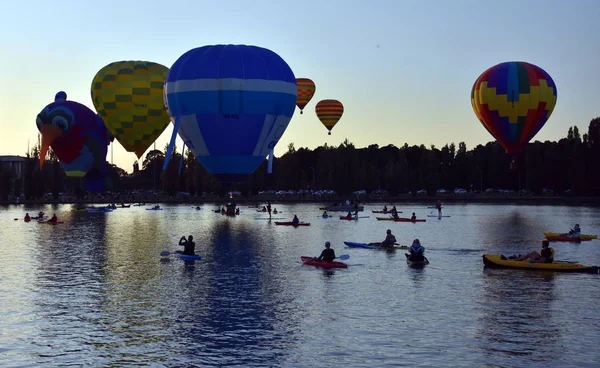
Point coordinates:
[[388, 211], [290, 223], [406, 219], [51, 222], [311, 262]]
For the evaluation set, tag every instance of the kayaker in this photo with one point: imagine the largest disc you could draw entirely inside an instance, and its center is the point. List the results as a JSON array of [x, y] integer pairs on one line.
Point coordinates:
[[40, 215], [416, 251], [264, 209], [327, 255], [325, 214], [275, 210], [53, 219], [157, 207], [438, 205], [189, 247], [575, 232], [390, 239], [198, 207], [295, 220], [546, 255], [349, 215], [237, 211], [413, 217], [27, 218], [269, 208], [384, 208], [395, 215]]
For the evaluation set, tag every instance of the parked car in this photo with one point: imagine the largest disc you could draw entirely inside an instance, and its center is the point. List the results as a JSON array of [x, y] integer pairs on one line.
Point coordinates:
[[460, 191]]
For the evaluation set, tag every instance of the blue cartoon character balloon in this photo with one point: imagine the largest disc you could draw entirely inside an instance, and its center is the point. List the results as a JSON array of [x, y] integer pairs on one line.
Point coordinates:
[[79, 139], [230, 104]]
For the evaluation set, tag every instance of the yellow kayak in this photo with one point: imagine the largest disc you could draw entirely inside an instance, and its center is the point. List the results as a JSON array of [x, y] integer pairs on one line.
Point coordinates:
[[563, 237], [495, 261]]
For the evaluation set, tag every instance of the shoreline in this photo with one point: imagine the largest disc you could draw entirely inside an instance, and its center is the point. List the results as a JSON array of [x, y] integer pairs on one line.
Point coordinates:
[[396, 200]]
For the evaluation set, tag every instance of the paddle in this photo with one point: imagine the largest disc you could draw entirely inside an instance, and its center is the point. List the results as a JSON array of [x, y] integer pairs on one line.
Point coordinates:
[[344, 257]]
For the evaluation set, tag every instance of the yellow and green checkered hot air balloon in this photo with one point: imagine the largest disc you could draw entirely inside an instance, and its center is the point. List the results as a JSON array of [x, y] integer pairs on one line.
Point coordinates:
[[128, 96]]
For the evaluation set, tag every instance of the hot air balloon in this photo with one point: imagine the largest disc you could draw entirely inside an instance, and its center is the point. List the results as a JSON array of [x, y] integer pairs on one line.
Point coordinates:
[[513, 101], [79, 139], [329, 112], [306, 90], [230, 105], [128, 96]]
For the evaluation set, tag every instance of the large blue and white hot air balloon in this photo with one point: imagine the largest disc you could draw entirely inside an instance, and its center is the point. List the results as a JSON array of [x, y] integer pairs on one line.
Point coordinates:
[[230, 104]]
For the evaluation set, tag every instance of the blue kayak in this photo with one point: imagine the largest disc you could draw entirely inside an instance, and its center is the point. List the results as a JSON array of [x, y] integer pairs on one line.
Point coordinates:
[[186, 257], [369, 246]]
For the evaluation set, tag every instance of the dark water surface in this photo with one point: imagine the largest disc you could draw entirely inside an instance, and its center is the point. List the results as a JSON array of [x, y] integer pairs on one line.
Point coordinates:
[[95, 291]]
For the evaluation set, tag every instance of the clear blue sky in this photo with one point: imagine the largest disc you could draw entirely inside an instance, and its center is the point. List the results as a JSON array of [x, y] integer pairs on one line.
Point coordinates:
[[403, 69]]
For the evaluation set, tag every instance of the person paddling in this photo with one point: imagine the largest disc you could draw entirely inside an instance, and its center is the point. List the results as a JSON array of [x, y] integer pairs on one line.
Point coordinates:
[[438, 205], [413, 217], [416, 251], [390, 239], [53, 219], [327, 255], [546, 255], [295, 220], [189, 247], [27, 217]]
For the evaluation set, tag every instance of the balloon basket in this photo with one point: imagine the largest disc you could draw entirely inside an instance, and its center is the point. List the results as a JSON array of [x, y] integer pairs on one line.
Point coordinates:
[[329, 133]]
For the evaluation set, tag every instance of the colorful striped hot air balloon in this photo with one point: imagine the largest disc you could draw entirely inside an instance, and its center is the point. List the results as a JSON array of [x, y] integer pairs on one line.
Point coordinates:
[[306, 90], [513, 101], [128, 96], [329, 112]]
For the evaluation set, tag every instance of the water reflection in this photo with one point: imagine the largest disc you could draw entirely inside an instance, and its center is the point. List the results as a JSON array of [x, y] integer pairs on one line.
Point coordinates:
[[239, 303], [517, 316]]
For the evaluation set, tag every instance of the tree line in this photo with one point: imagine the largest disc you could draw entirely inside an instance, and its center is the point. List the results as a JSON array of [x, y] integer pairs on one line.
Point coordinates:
[[568, 165]]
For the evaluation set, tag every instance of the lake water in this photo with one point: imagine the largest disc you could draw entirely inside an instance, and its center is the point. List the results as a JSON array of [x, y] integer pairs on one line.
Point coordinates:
[[94, 291]]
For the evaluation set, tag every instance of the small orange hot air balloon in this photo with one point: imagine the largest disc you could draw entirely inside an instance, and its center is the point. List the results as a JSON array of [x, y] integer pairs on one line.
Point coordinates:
[[329, 112], [306, 90]]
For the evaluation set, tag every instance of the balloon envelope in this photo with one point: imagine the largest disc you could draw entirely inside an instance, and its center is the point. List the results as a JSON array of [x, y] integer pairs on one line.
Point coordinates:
[[306, 90], [513, 101], [128, 96], [329, 112], [231, 104]]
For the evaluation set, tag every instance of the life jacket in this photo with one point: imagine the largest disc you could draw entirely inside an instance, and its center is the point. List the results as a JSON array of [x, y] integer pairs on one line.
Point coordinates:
[[416, 250]]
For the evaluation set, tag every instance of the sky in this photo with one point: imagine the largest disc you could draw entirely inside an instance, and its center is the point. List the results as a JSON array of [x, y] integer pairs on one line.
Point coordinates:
[[402, 68]]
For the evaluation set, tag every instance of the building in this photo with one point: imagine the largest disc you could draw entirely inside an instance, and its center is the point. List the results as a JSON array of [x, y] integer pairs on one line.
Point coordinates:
[[17, 165]]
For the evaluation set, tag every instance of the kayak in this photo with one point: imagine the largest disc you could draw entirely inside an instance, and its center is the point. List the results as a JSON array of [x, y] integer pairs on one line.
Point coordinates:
[[289, 223], [567, 238], [406, 219], [385, 218], [50, 223], [416, 263], [99, 210], [495, 261], [39, 218], [311, 262], [388, 211], [187, 257], [154, 209], [373, 246], [343, 208]]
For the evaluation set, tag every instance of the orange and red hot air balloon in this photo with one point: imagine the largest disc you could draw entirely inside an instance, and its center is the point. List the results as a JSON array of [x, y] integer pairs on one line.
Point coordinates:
[[329, 112], [306, 90], [513, 101]]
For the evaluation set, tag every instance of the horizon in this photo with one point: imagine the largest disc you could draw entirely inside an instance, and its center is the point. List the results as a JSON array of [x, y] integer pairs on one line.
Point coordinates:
[[407, 66]]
